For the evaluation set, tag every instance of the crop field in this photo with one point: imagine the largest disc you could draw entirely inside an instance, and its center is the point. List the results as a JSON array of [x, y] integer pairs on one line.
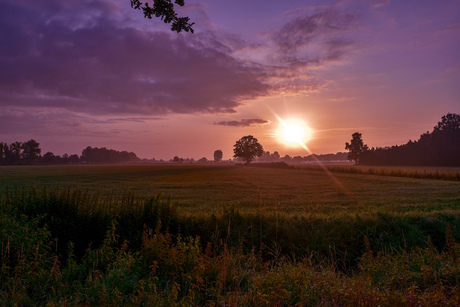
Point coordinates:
[[204, 189], [195, 235]]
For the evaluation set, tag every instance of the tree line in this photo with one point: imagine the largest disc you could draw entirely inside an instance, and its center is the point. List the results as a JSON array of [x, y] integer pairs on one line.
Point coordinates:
[[29, 153], [441, 147], [248, 149]]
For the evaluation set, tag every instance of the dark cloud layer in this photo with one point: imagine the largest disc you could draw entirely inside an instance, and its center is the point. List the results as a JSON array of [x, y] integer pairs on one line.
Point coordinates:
[[80, 58], [323, 31], [84, 56], [243, 122]]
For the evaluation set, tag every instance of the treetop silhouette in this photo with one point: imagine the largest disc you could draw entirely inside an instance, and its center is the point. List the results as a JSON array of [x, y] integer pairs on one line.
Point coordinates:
[[165, 10]]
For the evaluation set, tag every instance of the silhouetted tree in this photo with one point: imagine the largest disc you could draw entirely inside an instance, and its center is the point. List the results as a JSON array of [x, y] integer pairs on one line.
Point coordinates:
[[202, 160], [65, 159], [86, 154], [50, 158], [449, 123], [269, 157], [176, 159], [438, 148], [2, 152], [104, 155], [287, 158], [218, 156], [6, 154], [297, 159], [356, 147], [14, 155], [247, 148], [165, 10], [444, 142], [31, 151], [74, 159]]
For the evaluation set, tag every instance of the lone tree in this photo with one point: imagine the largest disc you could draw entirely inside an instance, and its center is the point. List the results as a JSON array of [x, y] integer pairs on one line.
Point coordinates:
[[356, 147], [165, 10], [247, 148], [218, 156]]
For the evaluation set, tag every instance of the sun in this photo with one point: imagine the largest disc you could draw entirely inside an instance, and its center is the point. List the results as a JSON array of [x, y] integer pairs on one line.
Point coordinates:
[[293, 131]]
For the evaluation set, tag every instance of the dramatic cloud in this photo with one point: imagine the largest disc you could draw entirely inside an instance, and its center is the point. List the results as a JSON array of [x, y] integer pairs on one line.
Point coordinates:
[[243, 122], [315, 38], [292, 53], [86, 57], [81, 59]]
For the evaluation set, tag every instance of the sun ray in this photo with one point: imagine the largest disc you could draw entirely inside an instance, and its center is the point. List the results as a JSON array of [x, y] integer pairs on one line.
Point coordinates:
[[328, 172], [293, 131], [297, 135]]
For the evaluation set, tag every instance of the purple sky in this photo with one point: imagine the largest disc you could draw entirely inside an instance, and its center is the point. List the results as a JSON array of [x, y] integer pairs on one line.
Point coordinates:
[[79, 73]]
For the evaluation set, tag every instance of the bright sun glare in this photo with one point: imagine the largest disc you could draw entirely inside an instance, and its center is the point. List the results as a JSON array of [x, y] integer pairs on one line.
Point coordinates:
[[293, 132]]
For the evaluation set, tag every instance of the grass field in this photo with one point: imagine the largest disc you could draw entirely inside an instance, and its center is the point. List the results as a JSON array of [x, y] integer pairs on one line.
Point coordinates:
[[210, 188], [231, 235]]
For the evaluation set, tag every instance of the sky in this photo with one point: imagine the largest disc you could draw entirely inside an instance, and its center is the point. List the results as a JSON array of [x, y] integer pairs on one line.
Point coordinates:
[[97, 73]]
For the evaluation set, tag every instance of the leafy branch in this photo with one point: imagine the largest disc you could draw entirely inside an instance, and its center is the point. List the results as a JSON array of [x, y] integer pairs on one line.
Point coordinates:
[[164, 9]]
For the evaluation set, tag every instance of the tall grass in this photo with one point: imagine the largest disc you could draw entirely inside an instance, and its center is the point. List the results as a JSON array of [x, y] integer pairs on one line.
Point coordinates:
[[451, 174], [67, 247], [81, 218]]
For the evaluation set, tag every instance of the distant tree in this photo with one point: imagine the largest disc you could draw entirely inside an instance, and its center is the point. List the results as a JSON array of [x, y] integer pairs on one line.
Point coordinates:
[[355, 147], [449, 123], [218, 156], [264, 157], [65, 159], [176, 159], [50, 158], [2, 152], [31, 151], [269, 157], [438, 148], [297, 159], [327, 157], [6, 154], [165, 10], [444, 143], [287, 158], [202, 160], [104, 155], [14, 153], [247, 148], [74, 159], [86, 154]]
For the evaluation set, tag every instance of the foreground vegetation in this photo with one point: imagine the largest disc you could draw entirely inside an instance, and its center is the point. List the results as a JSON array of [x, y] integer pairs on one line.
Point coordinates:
[[67, 246]]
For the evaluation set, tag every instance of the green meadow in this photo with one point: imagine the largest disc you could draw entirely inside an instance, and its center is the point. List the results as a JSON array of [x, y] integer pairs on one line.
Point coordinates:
[[206, 189], [197, 235]]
